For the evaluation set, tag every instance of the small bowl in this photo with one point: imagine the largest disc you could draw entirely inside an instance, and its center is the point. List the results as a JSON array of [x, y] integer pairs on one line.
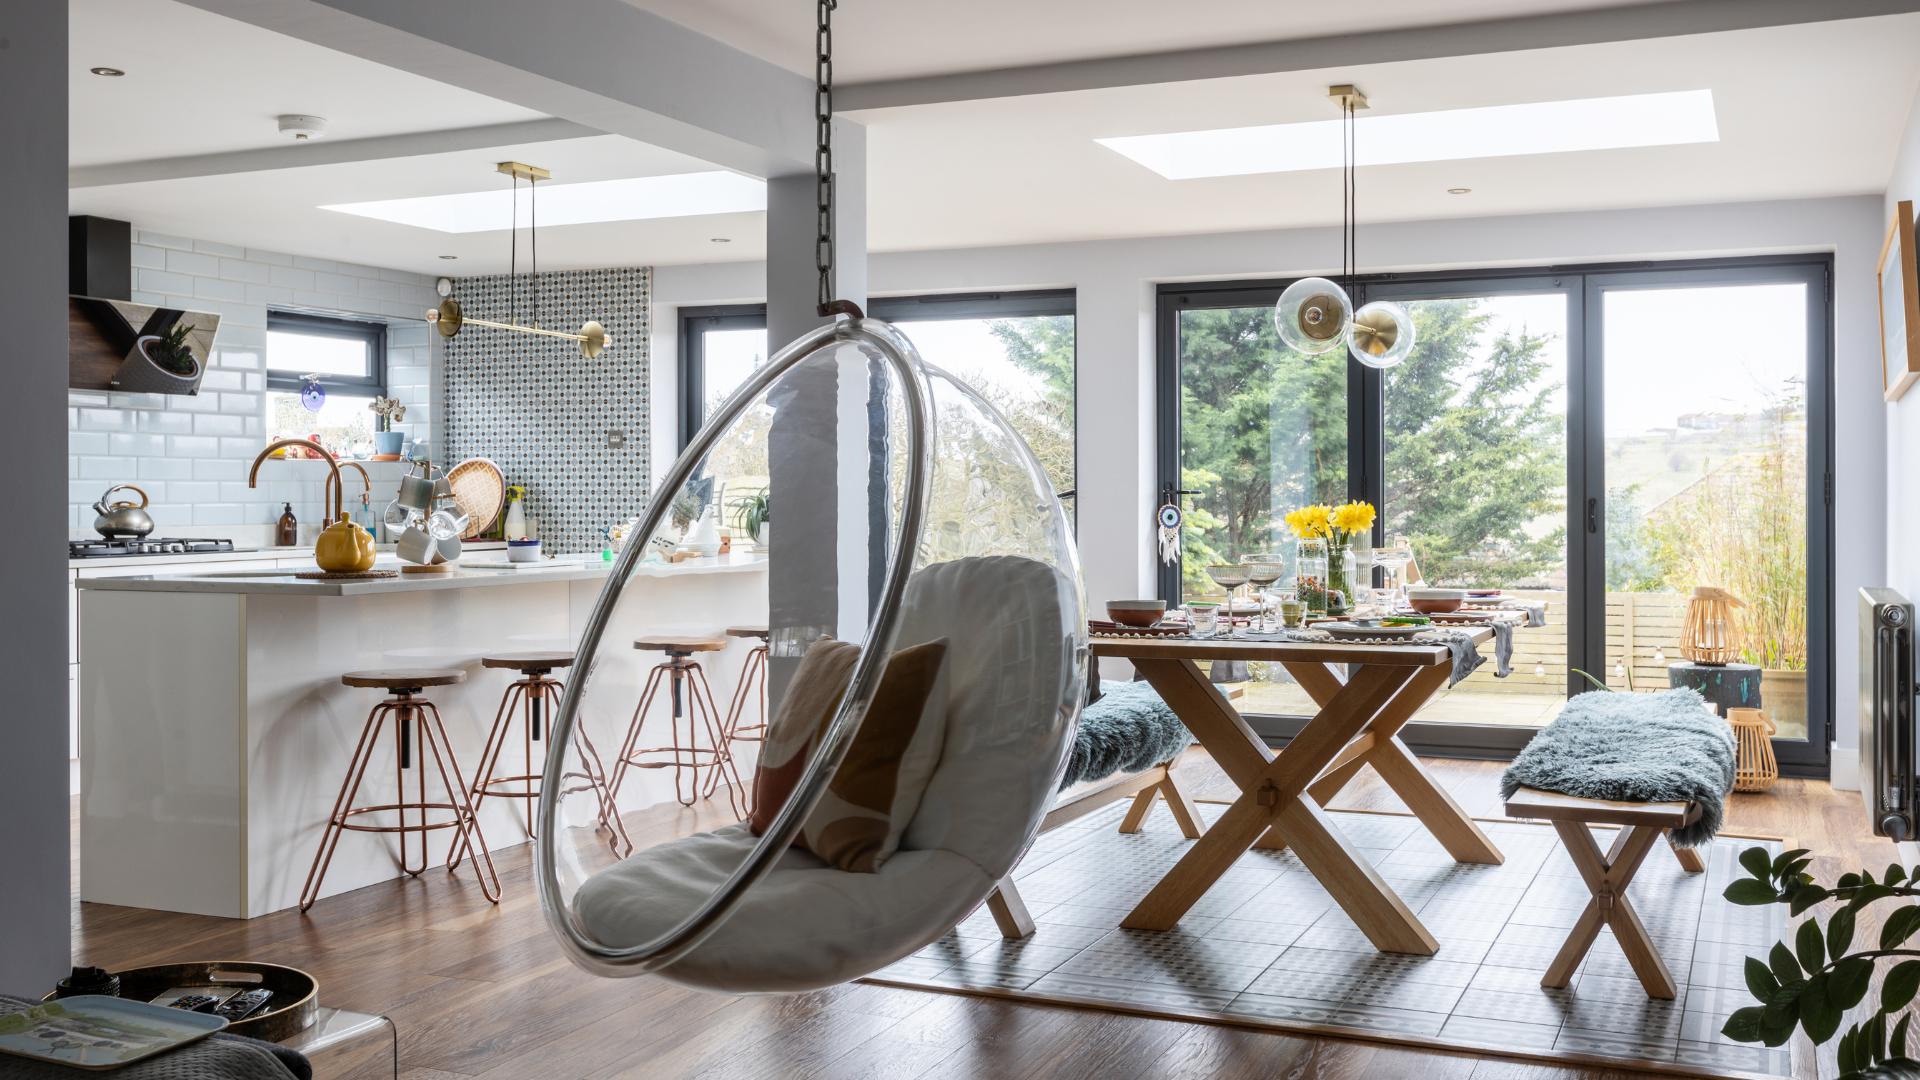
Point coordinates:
[[523, 551], [1136, 612], [1432, 605]]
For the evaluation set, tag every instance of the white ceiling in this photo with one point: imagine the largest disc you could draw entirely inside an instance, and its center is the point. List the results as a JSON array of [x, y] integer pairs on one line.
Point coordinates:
[[1808, 110], [909, 38]]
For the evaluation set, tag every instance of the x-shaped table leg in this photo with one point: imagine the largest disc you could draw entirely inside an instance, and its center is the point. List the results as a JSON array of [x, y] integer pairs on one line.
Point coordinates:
[[1272, 796], [1608, 876], [1380, 746]]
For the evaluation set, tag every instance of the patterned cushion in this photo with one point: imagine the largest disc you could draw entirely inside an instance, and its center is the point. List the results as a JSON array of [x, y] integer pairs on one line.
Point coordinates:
[[810, 702], [858, 822]]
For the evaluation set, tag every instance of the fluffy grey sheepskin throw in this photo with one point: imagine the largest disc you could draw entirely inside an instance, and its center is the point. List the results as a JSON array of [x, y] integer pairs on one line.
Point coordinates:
[[1128, 730], [1663, 747]]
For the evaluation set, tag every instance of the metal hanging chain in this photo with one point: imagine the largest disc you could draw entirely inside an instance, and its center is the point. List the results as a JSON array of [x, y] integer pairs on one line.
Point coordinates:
[[823, 180], [533, 230], [513, 255]]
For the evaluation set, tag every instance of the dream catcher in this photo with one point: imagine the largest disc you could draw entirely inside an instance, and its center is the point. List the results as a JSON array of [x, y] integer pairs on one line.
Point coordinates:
[[1169, 518]]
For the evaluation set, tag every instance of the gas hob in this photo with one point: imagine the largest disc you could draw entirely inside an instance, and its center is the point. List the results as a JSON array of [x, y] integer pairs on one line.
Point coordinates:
[[146, 545]]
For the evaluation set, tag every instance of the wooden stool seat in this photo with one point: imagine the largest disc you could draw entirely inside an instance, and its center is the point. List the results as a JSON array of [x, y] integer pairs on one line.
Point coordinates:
[[681, 644], [757, 631], [528, 661], [1608, 875], [396, 678]]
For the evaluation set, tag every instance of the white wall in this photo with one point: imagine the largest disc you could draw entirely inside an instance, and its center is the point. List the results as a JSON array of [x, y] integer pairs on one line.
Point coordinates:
[[190, 453], [1115, 280]]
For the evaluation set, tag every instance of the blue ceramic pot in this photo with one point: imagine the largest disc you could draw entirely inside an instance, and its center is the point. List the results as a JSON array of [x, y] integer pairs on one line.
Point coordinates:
[[388, 442]]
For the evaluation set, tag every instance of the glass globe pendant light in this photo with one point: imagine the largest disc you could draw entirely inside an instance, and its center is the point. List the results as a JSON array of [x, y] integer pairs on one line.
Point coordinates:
[[1315, 315]]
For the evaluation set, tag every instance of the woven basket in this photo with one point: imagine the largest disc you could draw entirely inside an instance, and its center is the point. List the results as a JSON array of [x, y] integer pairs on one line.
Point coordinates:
[[481, 490], [1754, 768]]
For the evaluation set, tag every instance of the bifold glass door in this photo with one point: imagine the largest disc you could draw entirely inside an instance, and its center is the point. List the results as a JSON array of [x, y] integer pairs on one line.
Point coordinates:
[[1570, 439]]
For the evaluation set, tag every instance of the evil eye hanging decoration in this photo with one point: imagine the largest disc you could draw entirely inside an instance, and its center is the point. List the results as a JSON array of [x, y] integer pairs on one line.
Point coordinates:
[[312, 394], [1169, 518]]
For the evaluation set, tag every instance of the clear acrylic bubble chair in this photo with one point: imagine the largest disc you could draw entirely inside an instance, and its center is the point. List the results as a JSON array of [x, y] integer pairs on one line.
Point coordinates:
[[928, 652]]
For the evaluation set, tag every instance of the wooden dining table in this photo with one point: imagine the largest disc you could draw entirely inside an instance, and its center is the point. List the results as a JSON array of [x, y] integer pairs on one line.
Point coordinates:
[[1282, 794]]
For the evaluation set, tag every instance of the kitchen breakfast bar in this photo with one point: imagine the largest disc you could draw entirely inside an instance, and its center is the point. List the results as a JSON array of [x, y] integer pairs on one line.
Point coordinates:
[[215, 731]]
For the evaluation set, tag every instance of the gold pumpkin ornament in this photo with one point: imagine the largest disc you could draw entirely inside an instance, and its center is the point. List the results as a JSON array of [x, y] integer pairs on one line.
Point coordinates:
[[344, 548]]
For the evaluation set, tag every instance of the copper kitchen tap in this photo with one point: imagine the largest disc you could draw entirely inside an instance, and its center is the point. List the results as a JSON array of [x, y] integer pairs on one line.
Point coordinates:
[[331, 501]]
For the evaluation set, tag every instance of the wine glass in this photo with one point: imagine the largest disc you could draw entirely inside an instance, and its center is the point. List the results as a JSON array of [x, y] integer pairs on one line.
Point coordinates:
[[1262, 571], [1228, 578], [1394, 558]]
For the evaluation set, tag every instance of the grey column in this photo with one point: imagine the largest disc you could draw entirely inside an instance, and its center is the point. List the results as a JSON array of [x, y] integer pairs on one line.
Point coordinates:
[[35, 882], [812, 564]]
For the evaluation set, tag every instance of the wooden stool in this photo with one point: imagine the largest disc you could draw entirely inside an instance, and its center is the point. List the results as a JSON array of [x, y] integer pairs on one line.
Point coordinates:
[[1607, 876], [693, 702], [406, 705], [752, 671], [530, 692]]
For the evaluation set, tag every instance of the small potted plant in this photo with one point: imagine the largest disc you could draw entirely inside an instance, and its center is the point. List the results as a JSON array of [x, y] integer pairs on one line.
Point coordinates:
[[751, 511], [386, 441], [161, 364]]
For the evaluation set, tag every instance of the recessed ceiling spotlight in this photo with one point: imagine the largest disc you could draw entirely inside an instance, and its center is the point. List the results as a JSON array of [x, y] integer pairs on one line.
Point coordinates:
[[721, 240], [302, 128], [107, 71], [449, 256], [1458, 190]]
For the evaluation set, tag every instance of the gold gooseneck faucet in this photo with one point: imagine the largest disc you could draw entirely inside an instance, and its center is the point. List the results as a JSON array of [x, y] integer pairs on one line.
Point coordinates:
[[333, 499]]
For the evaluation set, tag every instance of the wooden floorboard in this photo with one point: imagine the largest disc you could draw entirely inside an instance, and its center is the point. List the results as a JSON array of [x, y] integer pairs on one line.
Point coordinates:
[[478, 990]]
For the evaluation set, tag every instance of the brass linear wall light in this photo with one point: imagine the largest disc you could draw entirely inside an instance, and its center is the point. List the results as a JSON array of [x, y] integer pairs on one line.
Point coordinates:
[[449, 319]]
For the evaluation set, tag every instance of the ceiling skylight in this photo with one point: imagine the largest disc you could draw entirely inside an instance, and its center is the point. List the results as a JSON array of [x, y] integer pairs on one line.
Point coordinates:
[[1548, 127], [679, 195]]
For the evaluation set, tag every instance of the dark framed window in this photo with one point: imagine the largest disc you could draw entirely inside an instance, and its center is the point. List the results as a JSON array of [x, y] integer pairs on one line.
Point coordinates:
[[347, 354], [1527, 445], [1017, 348]]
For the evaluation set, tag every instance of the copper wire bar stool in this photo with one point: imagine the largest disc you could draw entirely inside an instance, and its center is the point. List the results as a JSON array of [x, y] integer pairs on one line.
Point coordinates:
[[693, 710], [530, 693], [753, 673], [406, 706]]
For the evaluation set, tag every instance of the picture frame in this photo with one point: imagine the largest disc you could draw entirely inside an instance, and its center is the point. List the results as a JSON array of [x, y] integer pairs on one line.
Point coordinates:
[[1898, 278]]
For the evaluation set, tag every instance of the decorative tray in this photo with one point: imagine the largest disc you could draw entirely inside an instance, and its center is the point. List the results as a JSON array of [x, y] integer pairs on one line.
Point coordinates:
[[93, 1031]]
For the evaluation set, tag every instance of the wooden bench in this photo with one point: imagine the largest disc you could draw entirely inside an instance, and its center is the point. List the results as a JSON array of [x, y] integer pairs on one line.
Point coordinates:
[[1161, 781], [1607, 875]]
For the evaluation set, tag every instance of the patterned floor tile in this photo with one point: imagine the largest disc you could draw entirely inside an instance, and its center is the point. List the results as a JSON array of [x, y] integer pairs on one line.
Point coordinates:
[[1271, 1007], [1498, 1034], [1538, 1009], [1728, 1055], [1381, 1018], [1614, 1044], [1257, 930], [1130, 993]]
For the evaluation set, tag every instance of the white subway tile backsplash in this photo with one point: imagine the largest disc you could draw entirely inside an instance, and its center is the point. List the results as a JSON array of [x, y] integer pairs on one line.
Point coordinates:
[[240, 447], [217, 379], [240, 403], [323, 265], [243, 337], [192, 491], [309, 298], [189, 262], [154, 298], [165, 241], [253, 382], [216, 289], [193, 403], [106, 420], [126, 445], [193, 446], [269, 294], [336, 283], [137, 401], [162, 422], [274, 258], [153, 258], [219, 424], [376, 289], [291, 277], [256, 425], [108, 468], [166, 468], [223, 250], [87, 442], [218, 514], [238, 491], [170, 516], [162, 281], [252, 273], [219, 469], [247, 359], [404, 277], [84, 491]]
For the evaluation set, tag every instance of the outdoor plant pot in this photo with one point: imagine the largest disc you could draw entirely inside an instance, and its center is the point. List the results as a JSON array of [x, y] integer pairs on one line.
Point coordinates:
[[140, 374]]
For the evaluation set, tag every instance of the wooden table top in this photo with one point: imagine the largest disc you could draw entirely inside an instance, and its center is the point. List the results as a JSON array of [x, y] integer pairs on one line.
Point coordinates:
[[1338, 652]]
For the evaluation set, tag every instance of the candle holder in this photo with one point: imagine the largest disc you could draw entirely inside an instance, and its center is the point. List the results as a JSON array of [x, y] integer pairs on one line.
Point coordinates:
[[1709, 636]]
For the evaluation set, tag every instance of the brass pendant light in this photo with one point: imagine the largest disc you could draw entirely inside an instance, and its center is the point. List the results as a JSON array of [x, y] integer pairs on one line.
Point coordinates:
[[449, 319], [1315, 315]]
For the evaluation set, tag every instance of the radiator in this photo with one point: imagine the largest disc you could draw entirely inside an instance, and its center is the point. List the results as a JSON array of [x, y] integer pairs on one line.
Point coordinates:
[[1887, 743]]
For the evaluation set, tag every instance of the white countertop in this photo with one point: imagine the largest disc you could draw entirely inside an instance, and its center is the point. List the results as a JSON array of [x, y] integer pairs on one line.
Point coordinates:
[[248, 554], [284, 583]]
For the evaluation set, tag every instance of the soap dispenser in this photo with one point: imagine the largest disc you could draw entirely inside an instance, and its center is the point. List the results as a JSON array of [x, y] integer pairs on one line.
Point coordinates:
[[288, 534]]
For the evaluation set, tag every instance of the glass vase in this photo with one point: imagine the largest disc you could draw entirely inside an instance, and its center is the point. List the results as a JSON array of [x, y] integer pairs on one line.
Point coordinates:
[[1310, 576], [1340, 573]]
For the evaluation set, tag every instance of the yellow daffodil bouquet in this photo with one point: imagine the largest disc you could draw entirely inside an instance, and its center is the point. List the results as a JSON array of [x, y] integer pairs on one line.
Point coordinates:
[[1337, 524]]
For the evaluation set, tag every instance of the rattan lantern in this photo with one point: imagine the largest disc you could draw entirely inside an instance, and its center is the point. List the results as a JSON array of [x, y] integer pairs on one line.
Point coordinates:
[[1709, 636], [1754, 767]]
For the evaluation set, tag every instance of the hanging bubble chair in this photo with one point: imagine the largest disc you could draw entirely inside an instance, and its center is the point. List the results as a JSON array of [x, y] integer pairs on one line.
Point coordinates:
[[926, 662]]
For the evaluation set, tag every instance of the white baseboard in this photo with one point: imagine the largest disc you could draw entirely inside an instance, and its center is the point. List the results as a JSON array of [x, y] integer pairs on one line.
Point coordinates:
[[1845, 768]]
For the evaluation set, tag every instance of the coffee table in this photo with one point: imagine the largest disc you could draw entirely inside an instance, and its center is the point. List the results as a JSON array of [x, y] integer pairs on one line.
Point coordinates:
[[1281, 794]]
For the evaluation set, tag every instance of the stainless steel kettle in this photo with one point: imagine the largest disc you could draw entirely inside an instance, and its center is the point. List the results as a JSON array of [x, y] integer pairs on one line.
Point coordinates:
[[122, 518]]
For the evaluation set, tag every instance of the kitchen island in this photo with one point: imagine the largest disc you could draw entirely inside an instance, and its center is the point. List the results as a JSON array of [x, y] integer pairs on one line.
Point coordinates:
[[215, 731]]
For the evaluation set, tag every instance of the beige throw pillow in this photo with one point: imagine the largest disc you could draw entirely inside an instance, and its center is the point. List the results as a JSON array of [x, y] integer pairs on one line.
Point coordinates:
[[809, 704]]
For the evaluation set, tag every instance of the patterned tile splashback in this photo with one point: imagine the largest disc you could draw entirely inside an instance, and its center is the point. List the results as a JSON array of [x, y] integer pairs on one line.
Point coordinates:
[[542, 411]]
